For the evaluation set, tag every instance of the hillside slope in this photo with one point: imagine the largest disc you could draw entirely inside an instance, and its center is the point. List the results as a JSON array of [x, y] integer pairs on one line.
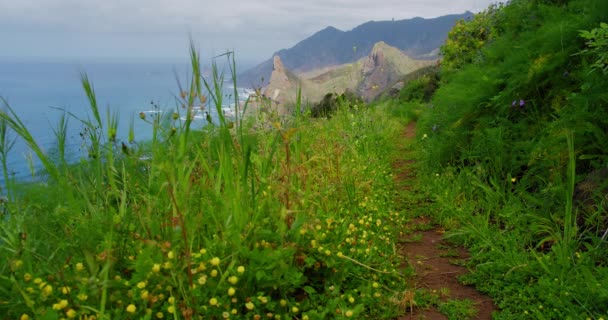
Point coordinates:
[[416, 37]]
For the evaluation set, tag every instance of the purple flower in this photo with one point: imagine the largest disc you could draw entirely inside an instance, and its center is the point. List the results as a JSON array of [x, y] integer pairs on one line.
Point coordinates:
[[522, 103]]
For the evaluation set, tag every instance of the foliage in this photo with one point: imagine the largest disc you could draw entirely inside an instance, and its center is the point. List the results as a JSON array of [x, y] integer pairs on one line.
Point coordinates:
[[231, 221], [597, 47], [513, 148], [467, 38]]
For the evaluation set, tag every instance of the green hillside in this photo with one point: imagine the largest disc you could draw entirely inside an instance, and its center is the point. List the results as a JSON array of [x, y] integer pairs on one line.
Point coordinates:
[[270, 217], [514, 147]]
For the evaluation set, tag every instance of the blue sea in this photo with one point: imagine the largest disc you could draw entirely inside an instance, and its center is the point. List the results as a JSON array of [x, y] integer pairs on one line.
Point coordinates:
[[38, 91]]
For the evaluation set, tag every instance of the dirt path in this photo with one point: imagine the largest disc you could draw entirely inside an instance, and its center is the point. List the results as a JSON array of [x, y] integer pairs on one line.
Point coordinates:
[[435, 263]]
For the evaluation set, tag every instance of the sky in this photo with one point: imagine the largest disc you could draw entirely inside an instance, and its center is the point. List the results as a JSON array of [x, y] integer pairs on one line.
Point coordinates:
[[160, 29]]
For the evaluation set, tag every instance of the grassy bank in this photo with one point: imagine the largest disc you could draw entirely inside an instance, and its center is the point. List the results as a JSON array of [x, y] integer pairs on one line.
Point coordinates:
[[289, 220], [512, 143]]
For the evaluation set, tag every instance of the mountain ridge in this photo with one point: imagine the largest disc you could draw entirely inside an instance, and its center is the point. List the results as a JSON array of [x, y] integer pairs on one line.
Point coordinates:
[[417, 37]]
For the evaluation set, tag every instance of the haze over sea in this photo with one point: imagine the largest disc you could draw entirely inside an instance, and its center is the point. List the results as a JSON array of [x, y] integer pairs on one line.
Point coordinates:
[[37, 90]]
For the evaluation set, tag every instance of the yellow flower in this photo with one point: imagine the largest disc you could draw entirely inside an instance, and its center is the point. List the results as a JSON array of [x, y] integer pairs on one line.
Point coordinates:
[[233, 279], [65, 290], [213, 301], [348, 313], [47, 290], [171, 309], [295, 309], [156, 268], [71, 313], [131, 308], [144, 295], [202, 280], [215, 261], [141, 284], [60, 305], [213, 273], [249, 305], [79, 266], [240, 269], [159, 315], [27, 277], [82, 296], [24, 316], [171, 300], [231, 291], [170, 255]]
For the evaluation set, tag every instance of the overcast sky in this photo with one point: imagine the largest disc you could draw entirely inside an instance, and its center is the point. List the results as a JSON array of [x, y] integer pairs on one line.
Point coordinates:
[[159, 29]]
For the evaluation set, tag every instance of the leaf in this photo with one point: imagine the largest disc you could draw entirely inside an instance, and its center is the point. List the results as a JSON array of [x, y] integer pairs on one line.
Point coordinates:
[[310, 290]]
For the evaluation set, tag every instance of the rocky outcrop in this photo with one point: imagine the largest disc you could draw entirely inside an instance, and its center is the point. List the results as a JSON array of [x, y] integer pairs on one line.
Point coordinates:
[[418, 37], [385, 66], [283, 86]]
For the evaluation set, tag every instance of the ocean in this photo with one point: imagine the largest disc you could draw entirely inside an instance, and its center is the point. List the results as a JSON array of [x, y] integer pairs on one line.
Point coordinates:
[[38, 91]]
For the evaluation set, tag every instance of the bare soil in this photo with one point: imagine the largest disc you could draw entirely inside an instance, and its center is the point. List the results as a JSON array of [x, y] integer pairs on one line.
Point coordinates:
[[437, 263]]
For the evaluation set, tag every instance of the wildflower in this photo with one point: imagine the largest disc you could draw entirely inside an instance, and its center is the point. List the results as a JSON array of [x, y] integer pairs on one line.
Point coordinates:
[[60, 305], [170, 255], [27, 277], [202, 280], [71, 313], [171, 309], [24, 316], [513, 180], [233, 279], [425, 136], [348, 313], [213, 302], [47, 290], [295, 309], [522, 103], [514, 103], [131, 308], [141, 284], [79, 266], [160, 315], [249, 305], [231, 291], [156, 268], [225, 315], [240, 269], [82, 296], [215, 261], [17, 264], [65, 290]]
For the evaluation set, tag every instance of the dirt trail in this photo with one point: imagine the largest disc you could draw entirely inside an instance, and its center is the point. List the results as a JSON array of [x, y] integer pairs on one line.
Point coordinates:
[[436, 263]]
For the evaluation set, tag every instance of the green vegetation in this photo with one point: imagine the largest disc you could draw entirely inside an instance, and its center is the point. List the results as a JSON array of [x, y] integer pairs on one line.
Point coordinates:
[[513, 147], [297, 218], [293, 220]]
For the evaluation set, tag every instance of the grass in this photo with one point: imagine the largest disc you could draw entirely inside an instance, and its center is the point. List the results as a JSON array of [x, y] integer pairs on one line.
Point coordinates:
[[237, 220], [297, 218]]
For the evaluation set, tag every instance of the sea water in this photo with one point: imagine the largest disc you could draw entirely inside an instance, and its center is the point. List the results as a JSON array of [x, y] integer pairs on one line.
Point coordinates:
[[40, 92]]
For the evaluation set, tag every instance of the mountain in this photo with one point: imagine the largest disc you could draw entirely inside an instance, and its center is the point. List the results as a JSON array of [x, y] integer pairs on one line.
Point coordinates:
[[367, 77], [417, 37]]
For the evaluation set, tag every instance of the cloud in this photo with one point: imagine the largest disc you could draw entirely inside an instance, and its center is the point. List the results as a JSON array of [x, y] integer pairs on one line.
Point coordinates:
[[256, 28]]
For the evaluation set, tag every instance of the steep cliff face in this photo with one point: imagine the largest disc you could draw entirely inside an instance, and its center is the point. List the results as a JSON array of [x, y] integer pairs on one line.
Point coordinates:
[[283, 87], [367, 78], [384, 66]]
